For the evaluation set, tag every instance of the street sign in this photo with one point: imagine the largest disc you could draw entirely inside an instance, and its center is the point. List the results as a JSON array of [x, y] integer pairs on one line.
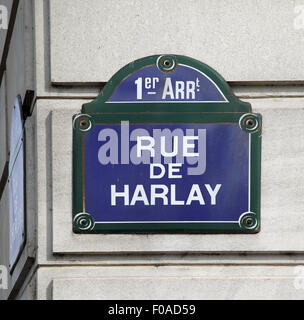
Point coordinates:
[[166, 147], [16, 184]]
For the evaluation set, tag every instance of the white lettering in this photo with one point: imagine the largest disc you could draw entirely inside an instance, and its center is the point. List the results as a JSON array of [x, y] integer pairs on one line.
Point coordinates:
[[152, 173], [173, 197], [190, 89], [139, 195], [124, 194], [195, 195], [148, 147], [213, 193], [187, 145], [172, 168], [160, 195], [168, 90]]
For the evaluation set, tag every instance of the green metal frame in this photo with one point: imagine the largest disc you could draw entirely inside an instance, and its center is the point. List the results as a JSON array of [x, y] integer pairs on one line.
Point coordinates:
[[101, 112]]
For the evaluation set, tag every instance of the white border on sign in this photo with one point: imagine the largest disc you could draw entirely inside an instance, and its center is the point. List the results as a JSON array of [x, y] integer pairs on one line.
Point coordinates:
[[249, 199]]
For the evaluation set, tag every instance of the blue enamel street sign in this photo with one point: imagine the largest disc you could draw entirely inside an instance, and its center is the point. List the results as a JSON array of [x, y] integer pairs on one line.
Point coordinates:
[[166, 147], [16, 185], [185, 83]]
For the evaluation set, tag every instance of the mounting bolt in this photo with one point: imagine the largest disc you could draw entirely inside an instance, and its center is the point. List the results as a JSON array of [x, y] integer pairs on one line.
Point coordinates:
[[248, 221], [83, 122], [166, 63], [250, 122], [83, 222]]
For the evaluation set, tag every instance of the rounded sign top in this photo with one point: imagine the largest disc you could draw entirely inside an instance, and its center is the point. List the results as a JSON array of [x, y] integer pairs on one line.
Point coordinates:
[[163, 80], [182, 84]]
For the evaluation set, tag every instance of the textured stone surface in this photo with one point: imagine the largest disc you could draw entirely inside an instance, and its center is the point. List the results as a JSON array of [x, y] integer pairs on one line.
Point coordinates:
[[18, 78], [83, 42], [3, 31], [282, 189], [243, 40], [177, 282], [4, 234], [3, 127]]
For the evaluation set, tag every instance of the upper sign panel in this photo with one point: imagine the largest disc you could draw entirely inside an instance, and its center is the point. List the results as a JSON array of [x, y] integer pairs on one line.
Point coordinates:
[[160, 81], [178, 83]]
